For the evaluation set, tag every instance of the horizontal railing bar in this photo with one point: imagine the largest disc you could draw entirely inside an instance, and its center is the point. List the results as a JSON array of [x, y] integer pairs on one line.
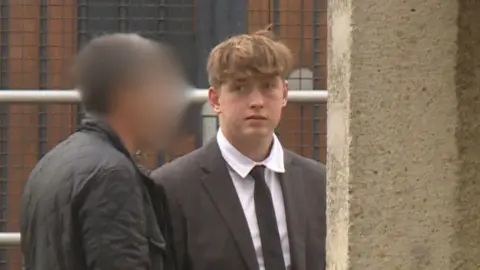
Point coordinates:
[[9, 239], [72, 96]]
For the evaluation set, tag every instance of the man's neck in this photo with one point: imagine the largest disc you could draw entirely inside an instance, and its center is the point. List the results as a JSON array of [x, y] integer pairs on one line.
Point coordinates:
[[125, 134], [257, 149]]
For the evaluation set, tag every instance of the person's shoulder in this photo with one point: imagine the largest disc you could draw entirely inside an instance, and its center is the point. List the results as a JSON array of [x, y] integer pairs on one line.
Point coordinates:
[[79, 163], [307, 165], [93, 153], [313, 173], [83, 155]]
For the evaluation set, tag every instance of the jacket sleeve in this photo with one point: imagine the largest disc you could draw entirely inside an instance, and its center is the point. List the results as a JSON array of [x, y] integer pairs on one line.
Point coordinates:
[[112, 219]]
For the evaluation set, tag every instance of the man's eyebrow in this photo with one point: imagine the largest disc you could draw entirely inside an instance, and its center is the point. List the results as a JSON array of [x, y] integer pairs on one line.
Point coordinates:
[[240, 80]]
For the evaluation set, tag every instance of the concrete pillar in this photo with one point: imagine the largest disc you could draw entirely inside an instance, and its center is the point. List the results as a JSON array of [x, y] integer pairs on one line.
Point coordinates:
[[404, 135]]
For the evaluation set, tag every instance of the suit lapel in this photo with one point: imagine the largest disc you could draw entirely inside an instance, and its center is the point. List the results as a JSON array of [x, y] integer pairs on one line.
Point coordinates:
[[219, 185], [295, 205]]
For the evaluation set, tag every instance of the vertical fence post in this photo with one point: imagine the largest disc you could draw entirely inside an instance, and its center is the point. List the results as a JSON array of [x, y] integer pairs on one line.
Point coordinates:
[[316, 64], [220, 19], [4, 17], [276, 15], [82, 39], [162, 30], [204, 36], [42, 113], [274, 9]]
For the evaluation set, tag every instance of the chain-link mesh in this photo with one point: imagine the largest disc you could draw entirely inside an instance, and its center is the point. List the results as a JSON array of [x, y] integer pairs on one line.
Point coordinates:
[[39, 39]]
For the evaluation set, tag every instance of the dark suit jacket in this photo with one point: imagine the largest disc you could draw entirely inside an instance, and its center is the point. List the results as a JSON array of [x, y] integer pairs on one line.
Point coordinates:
[[210, 231]]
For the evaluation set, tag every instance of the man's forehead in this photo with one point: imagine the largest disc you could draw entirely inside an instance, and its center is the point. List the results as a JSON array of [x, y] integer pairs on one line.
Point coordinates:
[[255, 78]]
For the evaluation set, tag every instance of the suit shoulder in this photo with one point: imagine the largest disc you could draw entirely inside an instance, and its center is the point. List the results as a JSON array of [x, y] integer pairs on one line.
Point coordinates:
[[307, 164], [314, 175]]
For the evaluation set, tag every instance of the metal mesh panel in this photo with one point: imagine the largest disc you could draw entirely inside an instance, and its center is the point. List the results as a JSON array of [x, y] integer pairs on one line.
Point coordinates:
[[301, 24], [39, 38], [36, 47]]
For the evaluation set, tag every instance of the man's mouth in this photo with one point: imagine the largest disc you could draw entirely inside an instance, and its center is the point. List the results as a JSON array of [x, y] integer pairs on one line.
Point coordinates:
[[256, 117]]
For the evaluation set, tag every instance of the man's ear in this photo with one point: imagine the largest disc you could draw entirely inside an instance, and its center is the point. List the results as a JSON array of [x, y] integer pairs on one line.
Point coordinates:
[[285, 93], [213, 99]]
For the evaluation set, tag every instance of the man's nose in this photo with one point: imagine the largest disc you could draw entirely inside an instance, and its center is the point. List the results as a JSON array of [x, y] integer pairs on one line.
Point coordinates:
[[256, 99]]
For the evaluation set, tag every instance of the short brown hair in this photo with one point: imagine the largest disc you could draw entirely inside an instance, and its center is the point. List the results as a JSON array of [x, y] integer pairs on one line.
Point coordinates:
[[245, 55]]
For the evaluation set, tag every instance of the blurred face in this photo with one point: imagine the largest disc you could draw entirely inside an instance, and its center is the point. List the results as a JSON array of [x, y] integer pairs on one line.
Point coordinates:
[[156, 105], [250, 107]]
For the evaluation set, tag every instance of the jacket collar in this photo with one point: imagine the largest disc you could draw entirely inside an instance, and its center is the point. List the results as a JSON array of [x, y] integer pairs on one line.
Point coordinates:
[[97, 124], [242, 165]]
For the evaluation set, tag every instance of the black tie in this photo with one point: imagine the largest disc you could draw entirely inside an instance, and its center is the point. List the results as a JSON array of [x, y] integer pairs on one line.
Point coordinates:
[[267, 223]]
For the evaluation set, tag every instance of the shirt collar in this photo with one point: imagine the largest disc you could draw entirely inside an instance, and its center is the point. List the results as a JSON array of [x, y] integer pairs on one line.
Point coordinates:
[[242, 165]]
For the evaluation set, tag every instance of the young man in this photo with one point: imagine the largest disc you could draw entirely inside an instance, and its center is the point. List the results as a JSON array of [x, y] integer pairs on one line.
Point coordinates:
[[243, 201], [86, 205]]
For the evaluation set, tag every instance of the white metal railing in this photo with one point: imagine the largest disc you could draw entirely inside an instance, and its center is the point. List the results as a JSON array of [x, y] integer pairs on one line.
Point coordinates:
[[9, 239], [72, 96]]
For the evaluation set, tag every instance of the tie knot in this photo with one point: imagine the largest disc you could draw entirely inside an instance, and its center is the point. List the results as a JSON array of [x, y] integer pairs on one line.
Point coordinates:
[[258, 172]]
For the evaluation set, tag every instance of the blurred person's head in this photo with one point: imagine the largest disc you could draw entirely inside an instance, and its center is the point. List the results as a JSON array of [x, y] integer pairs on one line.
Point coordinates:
[[248, 88], [134, 83]]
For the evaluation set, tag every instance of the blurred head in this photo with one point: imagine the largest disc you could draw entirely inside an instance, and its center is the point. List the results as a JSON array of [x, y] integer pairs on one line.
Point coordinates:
[[247, 75], [135, 81]]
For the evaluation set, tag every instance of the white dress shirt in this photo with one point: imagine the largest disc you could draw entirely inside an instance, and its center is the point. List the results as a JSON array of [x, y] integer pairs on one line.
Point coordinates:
[[239, 167]]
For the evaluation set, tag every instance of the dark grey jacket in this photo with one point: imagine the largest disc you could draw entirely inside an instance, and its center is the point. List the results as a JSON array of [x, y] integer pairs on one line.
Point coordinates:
[[86, 205]]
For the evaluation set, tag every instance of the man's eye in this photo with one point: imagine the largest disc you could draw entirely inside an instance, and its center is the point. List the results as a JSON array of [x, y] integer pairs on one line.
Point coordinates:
[[240, 88], [268, 86]]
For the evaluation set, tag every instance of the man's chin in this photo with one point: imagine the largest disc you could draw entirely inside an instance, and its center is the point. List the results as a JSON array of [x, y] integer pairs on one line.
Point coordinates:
[[258, 132]]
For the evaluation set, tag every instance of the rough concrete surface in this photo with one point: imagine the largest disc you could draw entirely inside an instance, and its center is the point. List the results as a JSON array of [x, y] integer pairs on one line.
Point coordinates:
[[403, 135]]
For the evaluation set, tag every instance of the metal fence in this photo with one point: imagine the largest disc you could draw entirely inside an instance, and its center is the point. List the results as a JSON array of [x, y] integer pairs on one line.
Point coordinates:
[[39, 38], [65, 97]]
